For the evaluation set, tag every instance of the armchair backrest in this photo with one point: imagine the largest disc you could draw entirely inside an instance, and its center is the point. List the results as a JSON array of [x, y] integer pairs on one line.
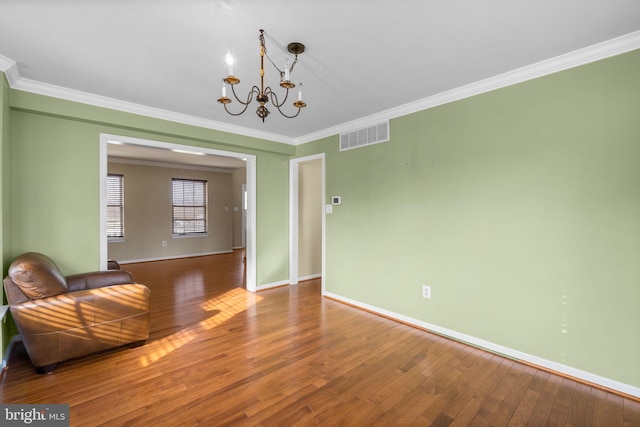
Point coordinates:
[[35, 276]]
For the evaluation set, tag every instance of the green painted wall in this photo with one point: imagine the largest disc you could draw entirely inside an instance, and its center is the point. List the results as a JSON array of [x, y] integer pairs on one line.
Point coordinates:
[[55, 179], [55, 197], [520, 207], [4, 161], [272, 202], [4, 192]]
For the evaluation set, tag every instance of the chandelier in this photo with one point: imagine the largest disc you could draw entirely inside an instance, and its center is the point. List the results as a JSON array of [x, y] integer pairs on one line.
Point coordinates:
[[264, 95]]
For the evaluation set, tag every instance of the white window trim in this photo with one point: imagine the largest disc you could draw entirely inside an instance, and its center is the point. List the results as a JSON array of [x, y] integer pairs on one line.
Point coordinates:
[[189, 235]]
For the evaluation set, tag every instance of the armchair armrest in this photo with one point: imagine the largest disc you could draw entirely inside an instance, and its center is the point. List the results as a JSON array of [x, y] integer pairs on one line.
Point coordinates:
[[83, 308], [98, 279], [70, 325]]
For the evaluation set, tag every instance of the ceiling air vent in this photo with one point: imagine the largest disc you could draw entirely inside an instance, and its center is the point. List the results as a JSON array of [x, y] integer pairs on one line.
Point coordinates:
[[366, 136]]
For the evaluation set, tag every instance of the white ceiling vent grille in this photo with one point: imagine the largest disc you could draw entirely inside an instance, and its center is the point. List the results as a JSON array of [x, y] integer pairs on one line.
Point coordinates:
[[366, 136]]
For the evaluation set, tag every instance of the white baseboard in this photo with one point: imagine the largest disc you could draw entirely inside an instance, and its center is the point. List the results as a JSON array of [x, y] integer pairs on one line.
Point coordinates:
[[310, 277], [286, 282], [499, 349], [131, 261], [272, 285]]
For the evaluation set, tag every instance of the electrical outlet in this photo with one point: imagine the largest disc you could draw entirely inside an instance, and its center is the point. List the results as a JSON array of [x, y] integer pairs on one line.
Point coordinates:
[[426, 291], [164, 243]]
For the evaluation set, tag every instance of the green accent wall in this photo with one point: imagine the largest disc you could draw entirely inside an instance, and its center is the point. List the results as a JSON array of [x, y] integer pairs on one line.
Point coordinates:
[[520, 207]]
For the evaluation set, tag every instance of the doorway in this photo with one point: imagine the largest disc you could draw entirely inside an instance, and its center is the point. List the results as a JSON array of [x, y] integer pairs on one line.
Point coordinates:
[[307, 219], [250, 160]]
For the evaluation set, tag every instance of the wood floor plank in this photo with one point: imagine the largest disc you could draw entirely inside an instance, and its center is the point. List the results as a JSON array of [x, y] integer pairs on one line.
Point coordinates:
[[631, 412], [464, 406], [579, 406], [613, 409], [422, 395], [524, 410], [505, 376], [218, 355], [562, 403], [516, 392], [471, 377]]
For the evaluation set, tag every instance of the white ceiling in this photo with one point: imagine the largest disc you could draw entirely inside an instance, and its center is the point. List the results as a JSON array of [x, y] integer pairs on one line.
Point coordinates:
[[363, 56]]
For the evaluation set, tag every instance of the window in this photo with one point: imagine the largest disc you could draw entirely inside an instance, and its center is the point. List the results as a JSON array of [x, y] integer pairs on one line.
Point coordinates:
[[189, 206], [115, 207]]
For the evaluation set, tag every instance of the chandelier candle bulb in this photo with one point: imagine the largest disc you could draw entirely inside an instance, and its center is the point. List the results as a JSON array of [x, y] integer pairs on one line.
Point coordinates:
[[300, 92], [287, 71], [224, 90], [229, 59]]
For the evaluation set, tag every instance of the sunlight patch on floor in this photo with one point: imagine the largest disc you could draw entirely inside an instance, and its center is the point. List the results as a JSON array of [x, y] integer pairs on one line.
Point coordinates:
[[225, 307]]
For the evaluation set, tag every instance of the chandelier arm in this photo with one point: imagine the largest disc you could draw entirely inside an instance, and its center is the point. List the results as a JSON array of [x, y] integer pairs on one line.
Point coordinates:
[[287, 116], [254, 90], [236, 114], [274, 97], [274, 101]]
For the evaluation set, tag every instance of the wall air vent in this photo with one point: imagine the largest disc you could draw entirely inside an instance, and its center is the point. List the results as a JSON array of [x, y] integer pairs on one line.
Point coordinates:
[[366, 136]]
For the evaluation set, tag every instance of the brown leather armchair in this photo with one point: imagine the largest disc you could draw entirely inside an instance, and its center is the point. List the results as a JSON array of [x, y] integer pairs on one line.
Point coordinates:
[[60, 318]]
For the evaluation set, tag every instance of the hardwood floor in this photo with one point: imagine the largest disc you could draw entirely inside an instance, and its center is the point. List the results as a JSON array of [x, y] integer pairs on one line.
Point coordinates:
[[218, 355]]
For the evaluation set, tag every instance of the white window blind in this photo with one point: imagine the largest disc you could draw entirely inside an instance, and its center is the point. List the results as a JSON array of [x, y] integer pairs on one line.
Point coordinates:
[[115, 206], [189, 206]]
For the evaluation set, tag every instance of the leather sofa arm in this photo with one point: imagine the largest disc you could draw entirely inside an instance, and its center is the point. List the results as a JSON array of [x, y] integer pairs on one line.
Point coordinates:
[[83, 308], [98, 279]]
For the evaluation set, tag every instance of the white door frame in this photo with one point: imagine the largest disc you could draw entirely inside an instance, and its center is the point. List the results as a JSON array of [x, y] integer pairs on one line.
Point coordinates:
[[251, 280], [243, 211], [293, 217]]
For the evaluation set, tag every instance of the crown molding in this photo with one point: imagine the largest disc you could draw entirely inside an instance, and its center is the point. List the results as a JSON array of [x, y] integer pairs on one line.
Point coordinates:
[[40, 88], [10, 68], [603, 50], [573, 59]]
